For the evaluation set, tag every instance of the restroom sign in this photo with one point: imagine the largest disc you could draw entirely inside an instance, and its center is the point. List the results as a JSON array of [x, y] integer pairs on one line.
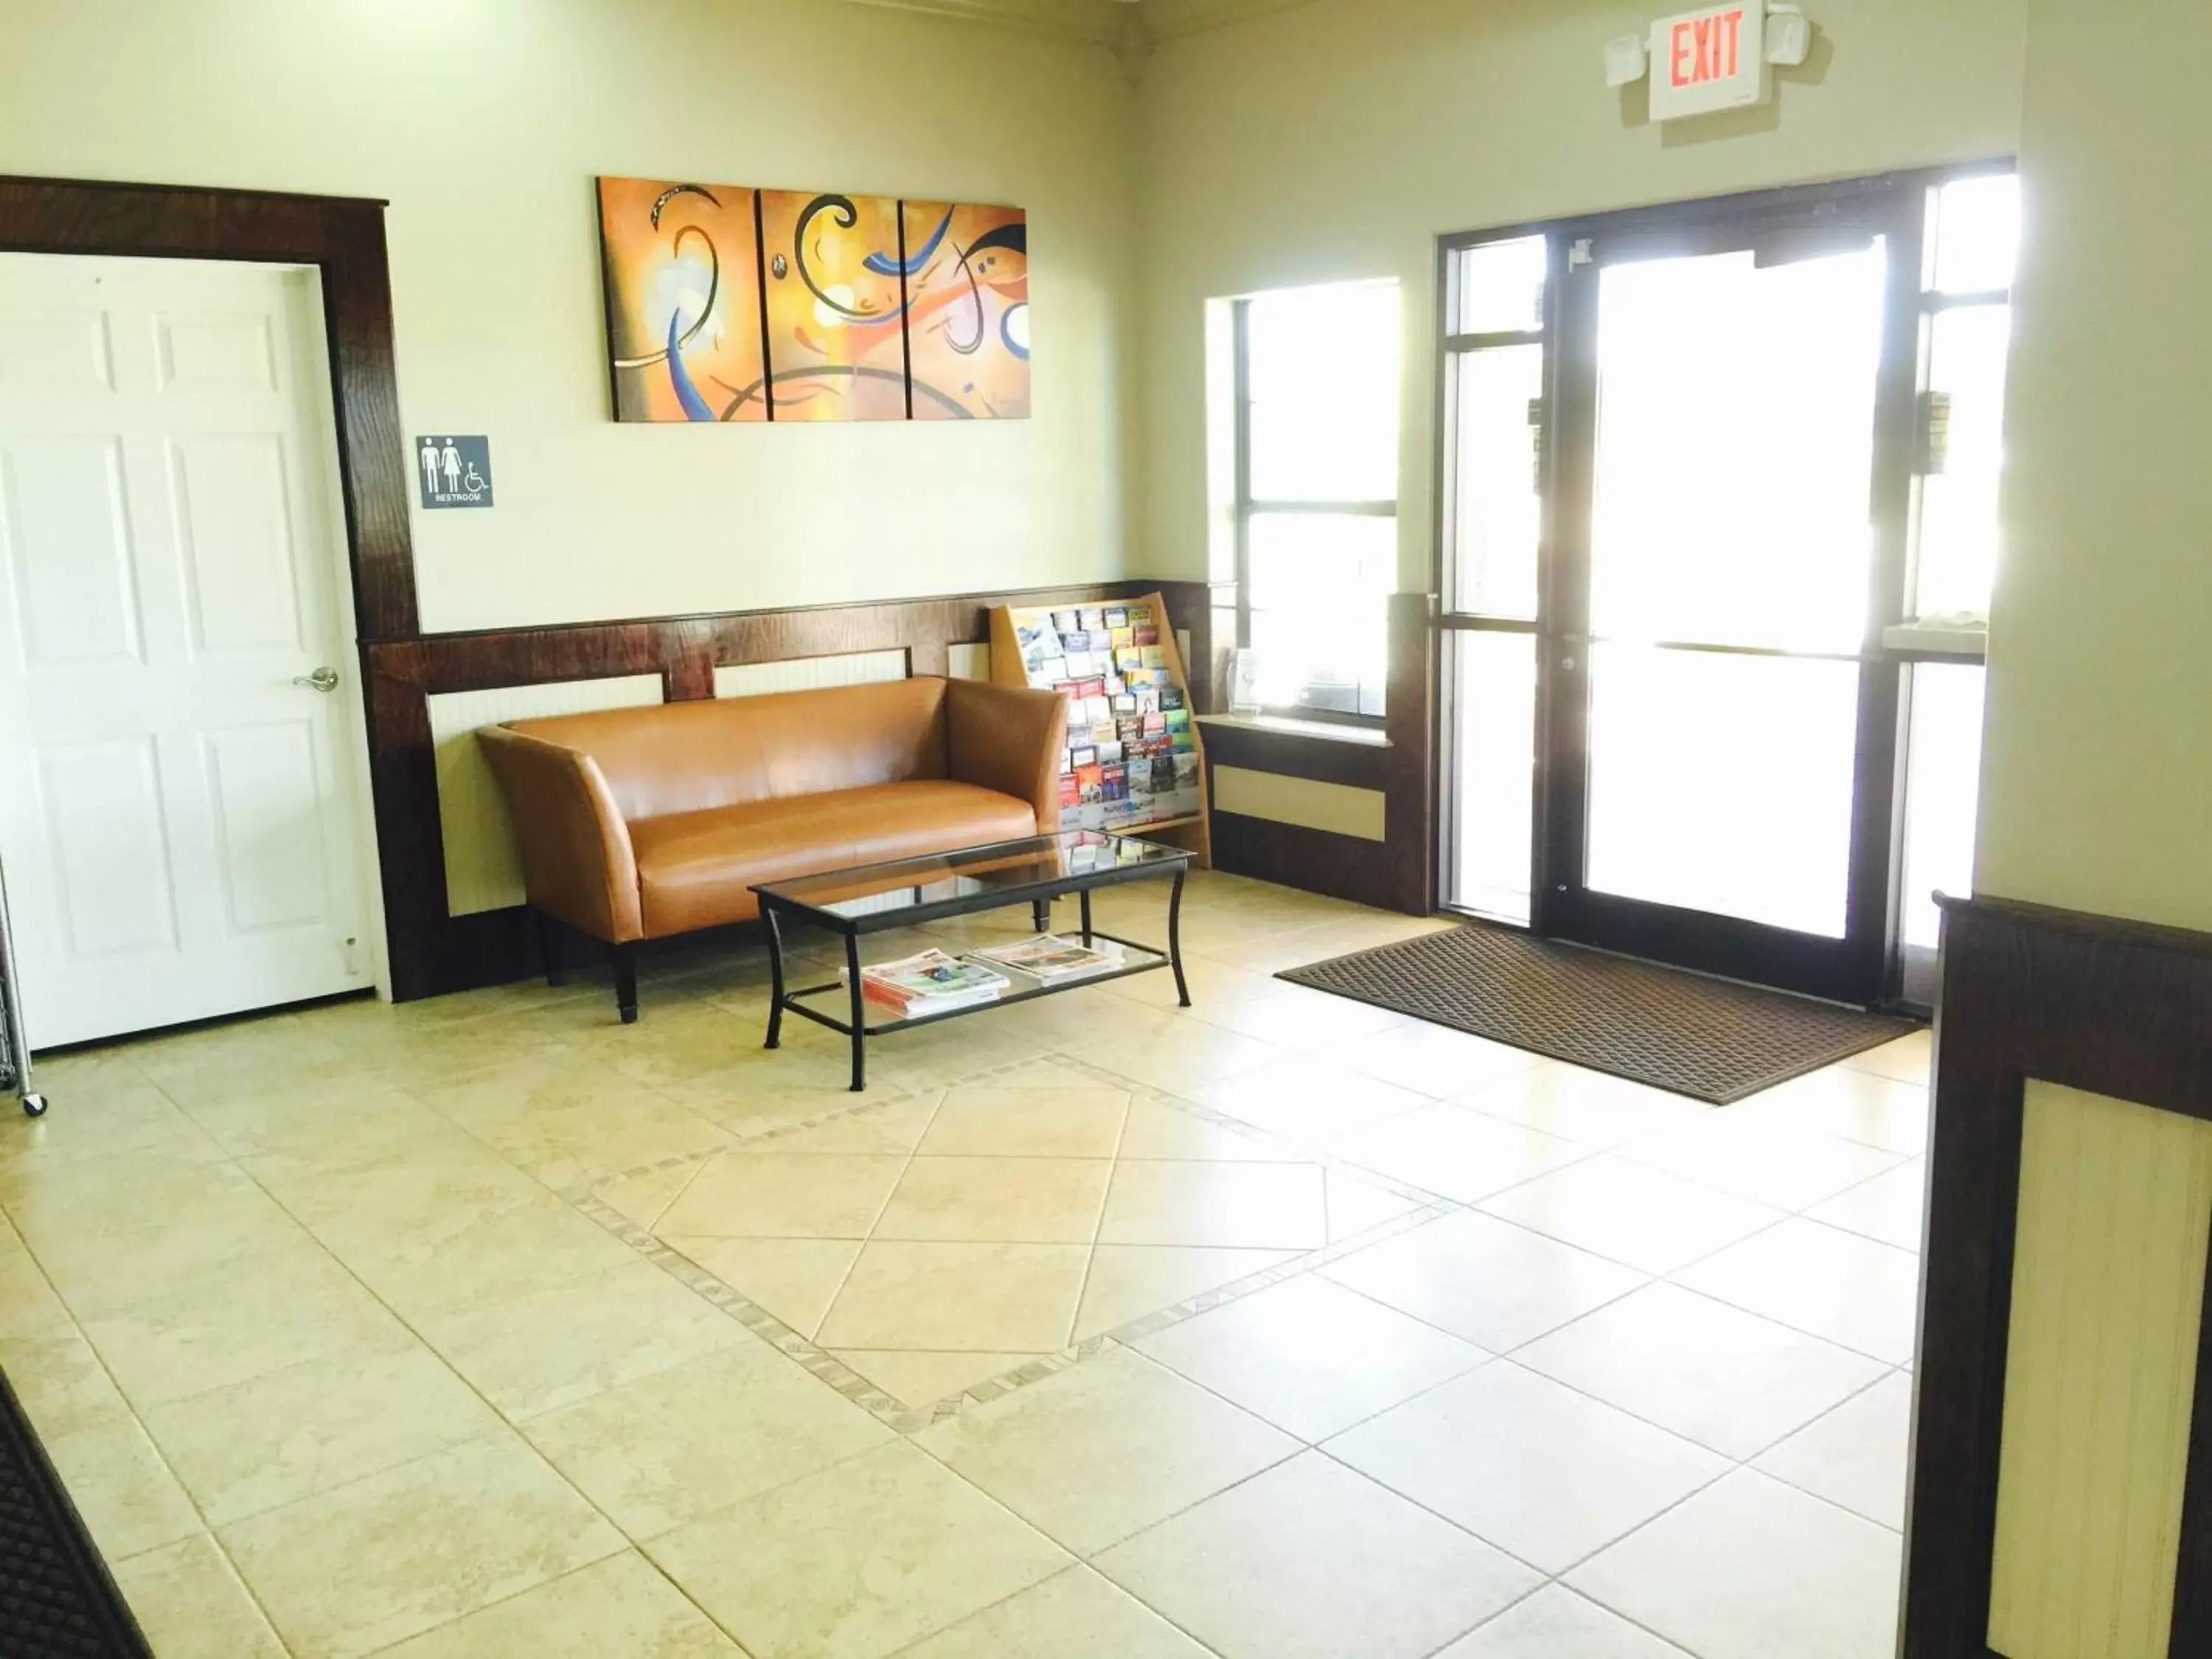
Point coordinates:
[[1704, 61], [454, 472]]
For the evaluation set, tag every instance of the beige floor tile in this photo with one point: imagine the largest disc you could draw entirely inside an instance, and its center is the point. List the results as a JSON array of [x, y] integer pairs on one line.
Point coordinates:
[[568, 1124], [277, 1438], [418, 1191], [618, 1608], [1301, 1019], [1458, 1153], [1495, 1284], [679, 1445], [1723, 1378], [1849, 1290], [1432, 1061], [1580, 1105], [61, 1383], [540, 1246], [1105, 1450], [1891, 1208], [28, 1306], [1157, 1130], [1356, 1206], [1750, 1568], [1075, 1614], [990, 1122], [1545, 1474], [1908, 1060], [794, 1278], [357, 1569], [218, 1330], [1860, 1106], [796, 1084], [129, 1116], [1029, 1200], [675, 1041], [1310, 1356], [557, 1346], [192, 1605], [919, 1379], [1167, 1051], [1128, 1281], [1787, 1168], [992, 1299], [746, 1194], [1651, 1220], [1236, 1205], [1312, 1561], [130, 1501], [1555, 1623], [857, 1561], [1312, 1099], [1211, 983], [644, 1198], [1857, 1455], [890, 1130], [371, 1118]]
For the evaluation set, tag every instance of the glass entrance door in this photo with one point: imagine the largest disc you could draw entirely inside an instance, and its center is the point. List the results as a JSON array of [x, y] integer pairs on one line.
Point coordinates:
[[1722, 730]]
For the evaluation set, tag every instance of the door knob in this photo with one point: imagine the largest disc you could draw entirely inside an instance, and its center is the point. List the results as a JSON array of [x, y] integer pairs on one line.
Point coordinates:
[[323, 679]]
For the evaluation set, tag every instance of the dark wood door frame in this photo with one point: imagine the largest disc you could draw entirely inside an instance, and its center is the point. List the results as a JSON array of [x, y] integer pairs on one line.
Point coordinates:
[[343, 238]]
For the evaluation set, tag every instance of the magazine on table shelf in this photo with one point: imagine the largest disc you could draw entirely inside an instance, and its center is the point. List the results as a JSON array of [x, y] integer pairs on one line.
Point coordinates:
[[1049, 959], [932, 983]]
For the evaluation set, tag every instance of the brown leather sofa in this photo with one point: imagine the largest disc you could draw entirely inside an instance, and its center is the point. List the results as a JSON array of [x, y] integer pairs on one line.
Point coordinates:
[[642, 823]]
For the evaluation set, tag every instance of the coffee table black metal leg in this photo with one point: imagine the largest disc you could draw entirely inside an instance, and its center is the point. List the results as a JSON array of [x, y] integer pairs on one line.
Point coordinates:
[[1085, 896], [776, 977], [860, 1013], [1041, 914], [1174, 938]]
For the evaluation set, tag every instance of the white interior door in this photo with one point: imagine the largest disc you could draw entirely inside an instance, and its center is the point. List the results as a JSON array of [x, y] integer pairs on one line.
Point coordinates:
[[177, 801]]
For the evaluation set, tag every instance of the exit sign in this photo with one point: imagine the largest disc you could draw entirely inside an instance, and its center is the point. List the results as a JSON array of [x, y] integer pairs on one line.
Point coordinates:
[[1704, 61]]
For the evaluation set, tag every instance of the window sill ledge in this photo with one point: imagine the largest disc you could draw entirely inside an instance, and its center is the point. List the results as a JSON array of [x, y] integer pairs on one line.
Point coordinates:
[[1323, 731]]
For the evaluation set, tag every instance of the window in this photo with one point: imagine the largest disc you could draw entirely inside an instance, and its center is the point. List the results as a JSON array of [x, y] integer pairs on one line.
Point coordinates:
[[1316, 494]]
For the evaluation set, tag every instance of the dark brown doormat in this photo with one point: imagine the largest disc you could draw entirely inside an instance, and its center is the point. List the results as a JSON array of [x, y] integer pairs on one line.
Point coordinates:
[[57, 1601], [1706, 1038]]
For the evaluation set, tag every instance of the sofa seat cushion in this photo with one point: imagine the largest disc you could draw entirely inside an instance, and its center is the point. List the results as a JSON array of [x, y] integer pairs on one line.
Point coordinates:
[[697, 869]]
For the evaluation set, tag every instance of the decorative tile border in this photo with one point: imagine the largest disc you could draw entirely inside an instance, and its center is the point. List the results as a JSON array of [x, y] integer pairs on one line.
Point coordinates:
[[910, 1420]]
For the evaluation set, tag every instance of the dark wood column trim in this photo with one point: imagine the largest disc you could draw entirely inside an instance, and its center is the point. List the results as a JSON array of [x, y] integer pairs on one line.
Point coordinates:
[[2113, 1007]]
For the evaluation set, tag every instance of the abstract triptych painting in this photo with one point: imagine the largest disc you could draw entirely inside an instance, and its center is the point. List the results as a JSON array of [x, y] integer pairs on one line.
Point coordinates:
[[726, 303]]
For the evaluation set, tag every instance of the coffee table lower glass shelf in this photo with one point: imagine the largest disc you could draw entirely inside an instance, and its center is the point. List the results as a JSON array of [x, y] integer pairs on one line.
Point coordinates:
[[876, 898]]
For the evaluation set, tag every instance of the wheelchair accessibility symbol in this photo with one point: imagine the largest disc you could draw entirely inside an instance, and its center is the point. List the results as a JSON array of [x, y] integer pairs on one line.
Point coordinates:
[[454, 471]]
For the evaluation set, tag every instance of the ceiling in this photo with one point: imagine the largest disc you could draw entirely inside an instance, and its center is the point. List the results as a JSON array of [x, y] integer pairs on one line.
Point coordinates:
[[1117, 23]]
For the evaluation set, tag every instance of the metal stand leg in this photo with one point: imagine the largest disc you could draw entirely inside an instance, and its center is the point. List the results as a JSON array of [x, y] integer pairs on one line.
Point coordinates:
[[1174, 939], [1083, 898], [775, 978], [625, 982], [860, 1013], [1041, 914], [549, 946]]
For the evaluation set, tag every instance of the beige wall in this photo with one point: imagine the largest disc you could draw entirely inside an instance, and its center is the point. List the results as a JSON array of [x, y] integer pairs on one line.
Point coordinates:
[[2097, 787], [1340, 139], [484, 121]]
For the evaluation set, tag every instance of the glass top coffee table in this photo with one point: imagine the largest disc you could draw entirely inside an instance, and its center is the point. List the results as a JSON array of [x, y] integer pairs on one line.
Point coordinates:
[[877, 897]]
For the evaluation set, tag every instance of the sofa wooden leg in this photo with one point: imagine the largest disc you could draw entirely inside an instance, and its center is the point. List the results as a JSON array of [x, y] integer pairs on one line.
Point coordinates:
[[625, 982]]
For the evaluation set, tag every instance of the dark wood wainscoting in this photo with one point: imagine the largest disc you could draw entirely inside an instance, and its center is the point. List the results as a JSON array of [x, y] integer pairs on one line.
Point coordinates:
[[1395, 873], [2115, 1008], [432, 951]]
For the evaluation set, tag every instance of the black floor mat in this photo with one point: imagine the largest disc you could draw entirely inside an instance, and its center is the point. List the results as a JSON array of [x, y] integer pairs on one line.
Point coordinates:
[[57, 1601], [1706, 1038]]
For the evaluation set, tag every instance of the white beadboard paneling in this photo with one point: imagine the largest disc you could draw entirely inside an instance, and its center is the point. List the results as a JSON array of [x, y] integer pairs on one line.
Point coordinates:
[[481, 870], [968, 662], [1336, 807], [2108, 1290], [752, 679]]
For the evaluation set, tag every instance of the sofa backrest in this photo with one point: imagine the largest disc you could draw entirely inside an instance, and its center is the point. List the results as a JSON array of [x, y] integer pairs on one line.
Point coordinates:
[[727, 751]]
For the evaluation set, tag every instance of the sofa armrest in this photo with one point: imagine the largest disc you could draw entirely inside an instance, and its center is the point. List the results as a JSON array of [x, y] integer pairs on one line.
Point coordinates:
[[577, 862], [1008, 738]]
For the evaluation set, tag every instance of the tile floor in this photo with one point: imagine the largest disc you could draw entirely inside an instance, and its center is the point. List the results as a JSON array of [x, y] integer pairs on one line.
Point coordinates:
[[1280, 1327]]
